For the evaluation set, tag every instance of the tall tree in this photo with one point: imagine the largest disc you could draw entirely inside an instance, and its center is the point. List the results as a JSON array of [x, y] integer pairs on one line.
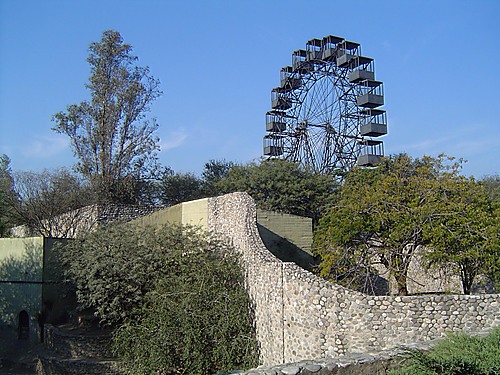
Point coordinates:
[[7, 196], [383, 215], [465, 232], [48, 202], [110, 135]]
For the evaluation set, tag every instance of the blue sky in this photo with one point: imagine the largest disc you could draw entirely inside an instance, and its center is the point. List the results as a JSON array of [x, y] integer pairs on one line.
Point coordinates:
[[218, 61]]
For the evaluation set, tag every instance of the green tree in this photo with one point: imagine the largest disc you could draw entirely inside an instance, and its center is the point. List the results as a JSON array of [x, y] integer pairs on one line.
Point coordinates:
[[213, 172], [114, 142], [383, 215], [465, 232], [174, 188], [492, 186], [7, 196], [280, 185]]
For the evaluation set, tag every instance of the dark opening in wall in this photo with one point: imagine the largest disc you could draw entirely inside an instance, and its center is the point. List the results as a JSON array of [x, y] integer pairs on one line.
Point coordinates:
[[24, 326]]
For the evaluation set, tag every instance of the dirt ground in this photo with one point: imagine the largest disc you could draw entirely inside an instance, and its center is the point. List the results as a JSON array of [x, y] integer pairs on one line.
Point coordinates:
[[18, 356]]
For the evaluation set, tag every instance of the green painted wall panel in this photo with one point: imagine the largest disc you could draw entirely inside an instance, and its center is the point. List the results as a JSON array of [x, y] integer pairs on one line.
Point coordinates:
[[21, 264]]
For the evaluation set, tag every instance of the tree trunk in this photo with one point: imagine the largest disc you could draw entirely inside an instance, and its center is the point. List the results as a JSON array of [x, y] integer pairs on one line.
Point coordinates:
[[402, 285]]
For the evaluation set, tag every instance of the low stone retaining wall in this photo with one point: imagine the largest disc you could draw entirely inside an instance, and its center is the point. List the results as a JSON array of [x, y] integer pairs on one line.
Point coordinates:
[[77, 343], [352, 364], [58, 366], [77, 352]]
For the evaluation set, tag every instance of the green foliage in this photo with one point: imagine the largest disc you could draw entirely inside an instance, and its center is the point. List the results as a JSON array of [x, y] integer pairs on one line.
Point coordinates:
[[383, 215], [174, 294], [112, 268], [465, 232], [175, 188], [213, 172], [114, 143], [492, 186], [7, 196], [459, 354], [195, 321], [280, 185]]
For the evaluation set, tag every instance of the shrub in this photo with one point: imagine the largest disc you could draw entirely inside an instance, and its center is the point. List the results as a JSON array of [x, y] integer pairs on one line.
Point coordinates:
[[195, 321], [459, 354], [174, 295]]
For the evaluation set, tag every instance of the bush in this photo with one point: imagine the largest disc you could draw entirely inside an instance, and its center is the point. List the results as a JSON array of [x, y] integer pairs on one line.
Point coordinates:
[[459, 354], [195, 321], [174, 295]]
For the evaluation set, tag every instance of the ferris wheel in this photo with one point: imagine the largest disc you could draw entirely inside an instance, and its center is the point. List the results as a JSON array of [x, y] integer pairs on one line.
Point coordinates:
[[325, 113]]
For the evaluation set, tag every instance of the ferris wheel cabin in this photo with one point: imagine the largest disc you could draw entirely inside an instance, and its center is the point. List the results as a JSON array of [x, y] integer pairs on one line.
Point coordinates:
[[314, 49], [346, 51], [279, 99], [371, 152], [273, 145], [330, 47], [275, 121], [373, 122], [372, 94], [363, 69], [290, 79]]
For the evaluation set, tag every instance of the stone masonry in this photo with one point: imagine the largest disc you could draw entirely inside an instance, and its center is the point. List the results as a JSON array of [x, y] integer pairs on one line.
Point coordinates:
[[301, 317]]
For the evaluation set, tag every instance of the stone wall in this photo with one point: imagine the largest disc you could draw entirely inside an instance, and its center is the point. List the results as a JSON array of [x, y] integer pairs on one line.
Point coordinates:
[[300, 316], [83, 220]]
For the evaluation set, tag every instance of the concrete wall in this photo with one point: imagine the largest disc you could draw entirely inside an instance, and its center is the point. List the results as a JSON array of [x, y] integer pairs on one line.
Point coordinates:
[[31, 279], [192, 213], [58, 298], [295, 229], [288, 237], [21, 264]]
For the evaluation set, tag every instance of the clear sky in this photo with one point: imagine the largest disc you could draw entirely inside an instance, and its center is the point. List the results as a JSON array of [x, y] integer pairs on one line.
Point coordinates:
[[218, 61]]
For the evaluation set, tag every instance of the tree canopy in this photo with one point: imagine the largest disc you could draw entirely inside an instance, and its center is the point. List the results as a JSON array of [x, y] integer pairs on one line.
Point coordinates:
[[48, 201], [383, 215], [281, 185], [174, 187], [465, 232], [7, 196], [114, 142]]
